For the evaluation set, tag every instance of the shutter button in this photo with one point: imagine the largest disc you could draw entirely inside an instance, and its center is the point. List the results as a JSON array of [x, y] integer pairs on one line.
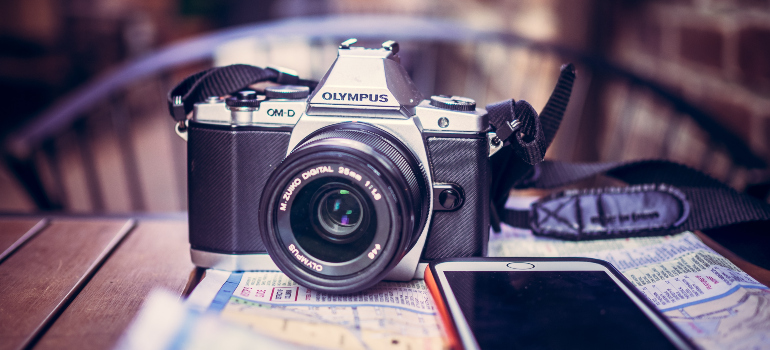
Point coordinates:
[[243, 99]]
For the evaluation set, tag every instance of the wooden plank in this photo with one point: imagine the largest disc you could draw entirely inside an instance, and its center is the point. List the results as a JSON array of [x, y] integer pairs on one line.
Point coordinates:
[[14, 232], [156, 255], [45, 274]]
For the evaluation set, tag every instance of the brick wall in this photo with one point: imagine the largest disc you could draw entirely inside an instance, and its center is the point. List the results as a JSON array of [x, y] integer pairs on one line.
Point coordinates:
[[716, 54]]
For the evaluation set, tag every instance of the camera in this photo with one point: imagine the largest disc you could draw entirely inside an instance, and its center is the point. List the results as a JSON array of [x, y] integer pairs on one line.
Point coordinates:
[[358, 181]]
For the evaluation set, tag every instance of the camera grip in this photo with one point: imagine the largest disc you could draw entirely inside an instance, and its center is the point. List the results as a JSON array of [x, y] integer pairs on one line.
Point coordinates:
[[465, 231], [227, 169]]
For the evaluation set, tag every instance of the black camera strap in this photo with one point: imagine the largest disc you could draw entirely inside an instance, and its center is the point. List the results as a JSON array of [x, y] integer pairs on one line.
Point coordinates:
[[662, 198], [220, 81], [517, 124], [527, 136]]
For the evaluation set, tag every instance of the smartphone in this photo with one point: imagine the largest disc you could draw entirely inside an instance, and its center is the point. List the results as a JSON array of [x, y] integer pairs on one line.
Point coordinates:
[[545, 303]]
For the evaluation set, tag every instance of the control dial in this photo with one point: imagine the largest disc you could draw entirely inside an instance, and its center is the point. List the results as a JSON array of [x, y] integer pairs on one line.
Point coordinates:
[[291, 92], [453, 103]]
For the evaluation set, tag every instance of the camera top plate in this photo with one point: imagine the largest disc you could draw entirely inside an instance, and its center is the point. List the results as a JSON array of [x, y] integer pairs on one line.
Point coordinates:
[[367, 78]]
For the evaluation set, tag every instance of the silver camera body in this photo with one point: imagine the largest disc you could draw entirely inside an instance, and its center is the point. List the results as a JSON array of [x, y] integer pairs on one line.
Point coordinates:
[[363, 86]]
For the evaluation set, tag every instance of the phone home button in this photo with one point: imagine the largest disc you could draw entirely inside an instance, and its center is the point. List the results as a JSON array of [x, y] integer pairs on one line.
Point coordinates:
[[520, 266]]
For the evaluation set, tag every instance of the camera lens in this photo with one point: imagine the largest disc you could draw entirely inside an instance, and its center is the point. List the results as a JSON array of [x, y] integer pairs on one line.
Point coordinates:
[[339, 212], [344, 207]]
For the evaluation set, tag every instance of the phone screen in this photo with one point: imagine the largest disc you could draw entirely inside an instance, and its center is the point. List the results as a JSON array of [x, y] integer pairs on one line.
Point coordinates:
[[551, 309]]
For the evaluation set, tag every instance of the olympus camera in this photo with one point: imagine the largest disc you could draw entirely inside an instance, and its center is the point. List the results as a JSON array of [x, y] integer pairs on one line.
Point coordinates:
[[358, 181]]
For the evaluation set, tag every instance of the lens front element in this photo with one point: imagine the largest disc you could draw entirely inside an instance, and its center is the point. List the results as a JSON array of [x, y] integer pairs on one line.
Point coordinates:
[[339, 212], [330, 220]]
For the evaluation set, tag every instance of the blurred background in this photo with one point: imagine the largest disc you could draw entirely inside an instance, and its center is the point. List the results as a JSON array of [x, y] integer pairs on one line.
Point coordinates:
[[84, 125]]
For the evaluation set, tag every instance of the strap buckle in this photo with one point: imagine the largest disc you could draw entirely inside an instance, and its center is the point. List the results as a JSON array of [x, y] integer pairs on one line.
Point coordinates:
[[286, 76], [506, 129], [177, 109]]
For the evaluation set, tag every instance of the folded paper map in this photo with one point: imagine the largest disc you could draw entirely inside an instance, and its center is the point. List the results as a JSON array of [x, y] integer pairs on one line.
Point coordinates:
[[711, 300]]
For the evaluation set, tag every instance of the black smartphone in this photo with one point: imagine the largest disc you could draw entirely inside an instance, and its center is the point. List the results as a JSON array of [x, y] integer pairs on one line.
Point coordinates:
[[545, 303]]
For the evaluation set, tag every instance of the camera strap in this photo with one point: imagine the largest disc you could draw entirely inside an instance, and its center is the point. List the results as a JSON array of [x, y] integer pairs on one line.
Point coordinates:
[[220, 81], [517, 124], [662, 198], [527, 136]]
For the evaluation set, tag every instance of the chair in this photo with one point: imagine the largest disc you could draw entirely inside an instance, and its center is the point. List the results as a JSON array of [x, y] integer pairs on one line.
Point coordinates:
[[109, 146]]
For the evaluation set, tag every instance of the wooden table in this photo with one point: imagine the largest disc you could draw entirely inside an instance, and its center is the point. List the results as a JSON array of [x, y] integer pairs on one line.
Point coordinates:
[[77, 282]]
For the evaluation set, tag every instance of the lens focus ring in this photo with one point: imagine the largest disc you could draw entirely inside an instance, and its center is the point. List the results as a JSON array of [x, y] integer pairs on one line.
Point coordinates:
[[344, 207]]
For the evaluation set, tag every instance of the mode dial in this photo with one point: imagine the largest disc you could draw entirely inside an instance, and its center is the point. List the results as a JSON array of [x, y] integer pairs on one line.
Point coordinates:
[[291, 92], [453, 103]]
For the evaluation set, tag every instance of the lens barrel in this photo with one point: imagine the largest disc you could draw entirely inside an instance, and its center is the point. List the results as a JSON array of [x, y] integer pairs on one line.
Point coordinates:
[[344, 207]]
